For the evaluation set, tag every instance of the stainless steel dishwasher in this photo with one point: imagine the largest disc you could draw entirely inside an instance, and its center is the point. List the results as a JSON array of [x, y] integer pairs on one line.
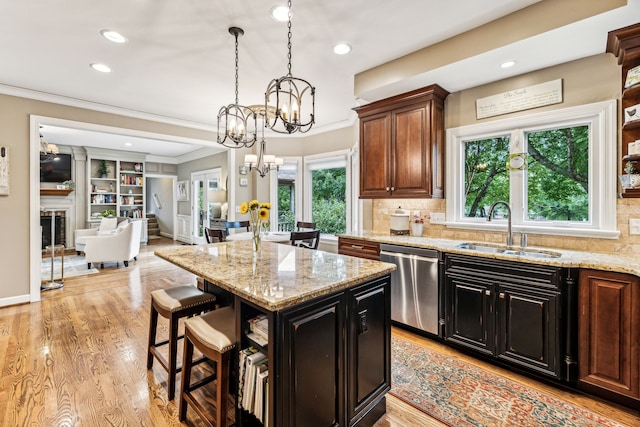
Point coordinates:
[[414, 286]]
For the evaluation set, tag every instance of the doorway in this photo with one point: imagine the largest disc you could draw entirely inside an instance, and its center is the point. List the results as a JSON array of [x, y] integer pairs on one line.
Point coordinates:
[[209, 207], [35, 238]]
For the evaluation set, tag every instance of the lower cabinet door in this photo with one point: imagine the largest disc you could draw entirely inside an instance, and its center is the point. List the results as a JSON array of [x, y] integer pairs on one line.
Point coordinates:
[[470, 315], [312, 372], [609, 335], [528, 328], [369, 348]]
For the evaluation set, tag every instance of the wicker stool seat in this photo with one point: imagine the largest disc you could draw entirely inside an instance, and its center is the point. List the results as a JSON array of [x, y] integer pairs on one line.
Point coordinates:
[[174, 304], [213, 334]]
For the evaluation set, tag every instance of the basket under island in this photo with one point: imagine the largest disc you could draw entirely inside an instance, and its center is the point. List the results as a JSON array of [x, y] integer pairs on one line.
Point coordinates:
[[329, 327]]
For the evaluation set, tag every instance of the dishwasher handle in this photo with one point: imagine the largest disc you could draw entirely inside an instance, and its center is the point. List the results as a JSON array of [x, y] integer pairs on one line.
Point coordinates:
[[408, 256]]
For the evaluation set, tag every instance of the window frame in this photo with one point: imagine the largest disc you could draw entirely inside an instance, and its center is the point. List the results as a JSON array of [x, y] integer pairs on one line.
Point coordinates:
[[297, 188], [601, 119], [333, 159]]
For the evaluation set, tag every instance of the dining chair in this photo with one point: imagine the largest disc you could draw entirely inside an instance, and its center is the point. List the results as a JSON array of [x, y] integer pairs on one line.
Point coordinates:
[[237, 224], [214, 235], [305, 226], [306, 239]]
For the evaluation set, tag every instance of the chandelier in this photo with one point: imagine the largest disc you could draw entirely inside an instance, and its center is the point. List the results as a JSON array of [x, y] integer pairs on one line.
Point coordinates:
[[237, 121], [48, 152], [263, 163], [293, 97]]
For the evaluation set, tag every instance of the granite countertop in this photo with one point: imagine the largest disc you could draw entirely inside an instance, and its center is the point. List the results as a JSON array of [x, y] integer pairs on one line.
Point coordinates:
[[570, 259], [280, 276]]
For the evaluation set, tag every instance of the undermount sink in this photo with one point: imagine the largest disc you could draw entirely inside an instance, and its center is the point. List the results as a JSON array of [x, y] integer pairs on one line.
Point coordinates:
[[482, 247]]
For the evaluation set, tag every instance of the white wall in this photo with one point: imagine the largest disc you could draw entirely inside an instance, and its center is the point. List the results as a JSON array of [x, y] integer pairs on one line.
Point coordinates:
[[163, 188]]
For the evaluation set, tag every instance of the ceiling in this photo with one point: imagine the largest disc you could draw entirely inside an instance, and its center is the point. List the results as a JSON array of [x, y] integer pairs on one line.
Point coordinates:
[[178, 63]]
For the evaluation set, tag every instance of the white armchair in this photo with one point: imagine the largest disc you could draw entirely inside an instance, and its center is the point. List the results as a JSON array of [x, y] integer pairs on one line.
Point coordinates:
[[124, 245], [107, 226]]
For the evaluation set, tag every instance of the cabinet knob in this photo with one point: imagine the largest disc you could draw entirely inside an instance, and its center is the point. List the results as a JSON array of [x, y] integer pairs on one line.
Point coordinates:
[[388, 188], [487, 292], [393, 189], [501, 295], [357, 246]]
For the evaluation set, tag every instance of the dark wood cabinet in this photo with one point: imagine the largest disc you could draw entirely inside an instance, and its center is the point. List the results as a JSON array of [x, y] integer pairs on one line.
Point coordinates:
[[359, 248], [469, 312], [402, 142], [313, 342], [510, 311], [528, 319], [609, 335], [624, 43], [369, 350], [336, 350]]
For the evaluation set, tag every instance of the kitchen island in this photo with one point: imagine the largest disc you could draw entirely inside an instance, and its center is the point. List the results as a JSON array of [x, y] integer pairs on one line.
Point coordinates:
[[329, 327]]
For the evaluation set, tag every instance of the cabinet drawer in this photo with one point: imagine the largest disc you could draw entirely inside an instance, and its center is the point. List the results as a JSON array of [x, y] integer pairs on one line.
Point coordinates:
[[359, 248]]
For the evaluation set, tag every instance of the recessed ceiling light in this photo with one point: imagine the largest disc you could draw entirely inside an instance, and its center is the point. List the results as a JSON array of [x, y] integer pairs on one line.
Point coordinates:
[[128, 144], [341, 49], [100, 67], [280, 13], [507, 64], [113, 36]]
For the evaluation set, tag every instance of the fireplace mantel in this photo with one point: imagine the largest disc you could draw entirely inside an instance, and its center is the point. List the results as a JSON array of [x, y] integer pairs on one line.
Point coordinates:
[[55, 192]]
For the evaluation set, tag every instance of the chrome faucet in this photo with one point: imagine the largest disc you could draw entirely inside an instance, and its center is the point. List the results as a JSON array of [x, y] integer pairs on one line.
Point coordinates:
[[509, 233]]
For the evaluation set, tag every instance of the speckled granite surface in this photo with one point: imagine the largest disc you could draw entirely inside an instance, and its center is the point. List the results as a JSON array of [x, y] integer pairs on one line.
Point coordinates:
[[280, 276], [619, 263]]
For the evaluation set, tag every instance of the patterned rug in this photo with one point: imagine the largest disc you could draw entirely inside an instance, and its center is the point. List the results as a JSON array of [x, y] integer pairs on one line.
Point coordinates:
[[74, 265], [461, 395]]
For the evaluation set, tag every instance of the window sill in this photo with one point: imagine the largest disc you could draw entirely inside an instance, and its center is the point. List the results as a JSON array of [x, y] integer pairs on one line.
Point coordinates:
[[501, 226]]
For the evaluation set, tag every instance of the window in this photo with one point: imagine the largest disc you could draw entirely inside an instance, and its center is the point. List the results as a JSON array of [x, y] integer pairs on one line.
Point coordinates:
[[286, 204], [557, 170], [327, 197]]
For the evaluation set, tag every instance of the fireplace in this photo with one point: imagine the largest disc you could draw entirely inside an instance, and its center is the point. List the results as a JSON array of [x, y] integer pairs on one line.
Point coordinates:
[[60, 226]]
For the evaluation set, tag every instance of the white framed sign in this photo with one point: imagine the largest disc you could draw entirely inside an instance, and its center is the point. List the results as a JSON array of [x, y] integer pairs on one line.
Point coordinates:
[[525, 98]]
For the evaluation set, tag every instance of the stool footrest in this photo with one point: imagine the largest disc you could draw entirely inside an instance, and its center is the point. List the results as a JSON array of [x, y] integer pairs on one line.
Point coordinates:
[[165, 342], [200, 383]]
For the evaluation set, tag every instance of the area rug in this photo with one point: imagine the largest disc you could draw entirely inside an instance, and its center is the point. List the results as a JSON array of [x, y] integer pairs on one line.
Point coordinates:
[[460, 395], [74, 265]]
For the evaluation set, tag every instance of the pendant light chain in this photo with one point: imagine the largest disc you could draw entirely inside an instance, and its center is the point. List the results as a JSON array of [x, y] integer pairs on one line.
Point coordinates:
[[236, 34], [289, 38]]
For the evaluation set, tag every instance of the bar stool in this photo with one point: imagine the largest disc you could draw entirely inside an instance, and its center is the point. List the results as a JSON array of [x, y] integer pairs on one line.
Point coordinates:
[[174, 304], [213, 334]]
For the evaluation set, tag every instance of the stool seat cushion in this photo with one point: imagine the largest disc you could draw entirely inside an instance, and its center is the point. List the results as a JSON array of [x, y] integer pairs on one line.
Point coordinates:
[[180, 297], [216, 329]]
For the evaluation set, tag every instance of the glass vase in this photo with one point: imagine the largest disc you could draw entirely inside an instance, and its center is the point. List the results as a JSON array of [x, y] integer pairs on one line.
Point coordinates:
[[256, 238]]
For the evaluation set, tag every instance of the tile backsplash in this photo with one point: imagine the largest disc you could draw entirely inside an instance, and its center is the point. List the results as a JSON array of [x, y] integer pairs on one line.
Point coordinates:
[[625, 243]]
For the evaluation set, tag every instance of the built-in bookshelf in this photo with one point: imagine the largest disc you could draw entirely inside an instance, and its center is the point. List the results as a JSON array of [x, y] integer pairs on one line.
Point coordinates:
[[253, 378], [115, 187]]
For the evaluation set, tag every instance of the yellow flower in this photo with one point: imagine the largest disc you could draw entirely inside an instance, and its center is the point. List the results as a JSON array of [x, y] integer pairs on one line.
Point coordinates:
[[263, 214], [244, 208], [265, 205], [254, 204]]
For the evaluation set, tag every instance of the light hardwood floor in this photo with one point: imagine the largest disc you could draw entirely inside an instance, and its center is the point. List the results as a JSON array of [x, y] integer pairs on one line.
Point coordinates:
[[78, 357]]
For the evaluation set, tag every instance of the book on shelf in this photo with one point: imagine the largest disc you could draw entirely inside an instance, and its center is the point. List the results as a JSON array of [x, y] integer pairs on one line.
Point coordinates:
[[633, 77], [242, 371], [258, 339], [259, 326], [252, 361], [261, 379]]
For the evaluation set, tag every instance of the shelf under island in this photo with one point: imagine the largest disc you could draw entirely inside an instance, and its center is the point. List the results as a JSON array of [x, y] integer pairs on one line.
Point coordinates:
[[328, 347]]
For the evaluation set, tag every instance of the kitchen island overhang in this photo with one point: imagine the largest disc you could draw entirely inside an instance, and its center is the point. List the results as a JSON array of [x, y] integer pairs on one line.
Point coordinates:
[[328, 352]]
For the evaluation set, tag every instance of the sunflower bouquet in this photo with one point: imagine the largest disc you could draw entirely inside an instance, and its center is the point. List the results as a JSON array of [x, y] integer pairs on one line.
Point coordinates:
[[258, 214]]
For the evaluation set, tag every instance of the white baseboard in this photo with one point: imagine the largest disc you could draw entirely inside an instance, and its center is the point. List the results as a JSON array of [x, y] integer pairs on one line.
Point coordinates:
[[19, 299]]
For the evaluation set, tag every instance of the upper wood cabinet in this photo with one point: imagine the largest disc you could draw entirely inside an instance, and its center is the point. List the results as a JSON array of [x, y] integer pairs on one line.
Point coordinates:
[[624, 43], [402, 145]]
